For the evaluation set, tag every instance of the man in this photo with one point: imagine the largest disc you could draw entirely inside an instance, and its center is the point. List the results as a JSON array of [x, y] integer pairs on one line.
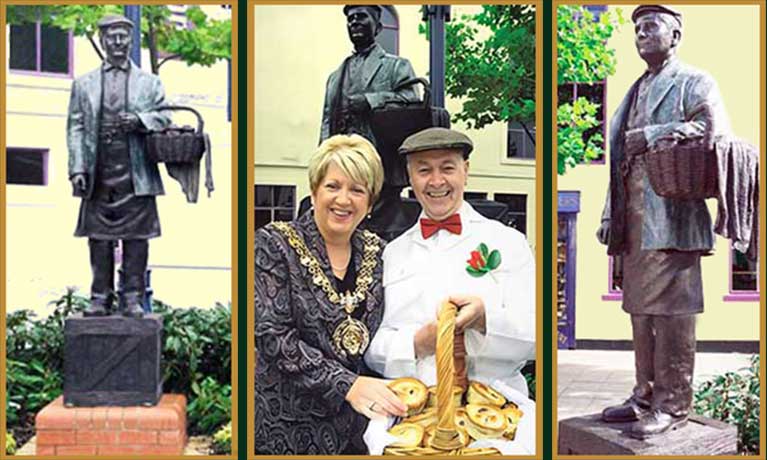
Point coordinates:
[[366, 80], [660, 240], [428, 264], [109, 109]]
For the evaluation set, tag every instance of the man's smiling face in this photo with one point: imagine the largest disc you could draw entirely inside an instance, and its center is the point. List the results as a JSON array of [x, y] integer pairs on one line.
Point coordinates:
[[438, 178]]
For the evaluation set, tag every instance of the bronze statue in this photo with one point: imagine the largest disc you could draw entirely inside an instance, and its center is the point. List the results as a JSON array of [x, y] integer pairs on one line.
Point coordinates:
[[660, 240], [110, 110]]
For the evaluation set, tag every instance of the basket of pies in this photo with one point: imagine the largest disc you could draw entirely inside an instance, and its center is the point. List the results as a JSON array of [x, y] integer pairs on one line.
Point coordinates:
[[445, 419]]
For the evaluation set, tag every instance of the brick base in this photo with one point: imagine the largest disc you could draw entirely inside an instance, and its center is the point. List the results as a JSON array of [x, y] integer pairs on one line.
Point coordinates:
[[112, 430]]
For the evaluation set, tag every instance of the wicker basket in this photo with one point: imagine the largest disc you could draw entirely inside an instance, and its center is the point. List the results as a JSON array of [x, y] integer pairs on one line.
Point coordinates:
[[177, 144], [686, 170]]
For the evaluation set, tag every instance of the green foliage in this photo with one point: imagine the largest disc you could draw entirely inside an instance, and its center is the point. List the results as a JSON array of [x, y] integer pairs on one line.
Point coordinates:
[[734, 398], [583, 56], [222, 440], [196, 359], [206, 42], [574, 146], [210, 406], [490, 64], [10, 444]]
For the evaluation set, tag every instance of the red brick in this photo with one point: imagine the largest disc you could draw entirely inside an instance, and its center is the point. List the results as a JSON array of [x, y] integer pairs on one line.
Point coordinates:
[[137, 437], [45, 450], [55, 417], [75, 450], [83, 419], [139, 449], [55, 437], [172, 437], [131, 416], [99, 418], [114, 418], [159, 418], [97, 437]]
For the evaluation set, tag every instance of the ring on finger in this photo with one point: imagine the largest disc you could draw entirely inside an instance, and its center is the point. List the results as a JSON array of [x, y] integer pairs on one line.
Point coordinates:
[[372, 406]]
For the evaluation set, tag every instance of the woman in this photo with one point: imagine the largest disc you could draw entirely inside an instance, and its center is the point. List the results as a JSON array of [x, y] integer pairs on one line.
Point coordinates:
[[319, 300]]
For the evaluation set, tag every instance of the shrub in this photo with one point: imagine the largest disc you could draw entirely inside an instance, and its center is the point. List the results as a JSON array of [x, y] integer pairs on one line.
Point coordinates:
[[734, 398], [196, 360], [10, 444], [222, 440]]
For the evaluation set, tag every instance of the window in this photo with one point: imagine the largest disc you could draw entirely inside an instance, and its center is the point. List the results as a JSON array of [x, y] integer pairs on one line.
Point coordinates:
[[521, 141], [389, 36], [474, 196], [26, 166], [40, 49], [516, 210], [744, 277], [274, 202]]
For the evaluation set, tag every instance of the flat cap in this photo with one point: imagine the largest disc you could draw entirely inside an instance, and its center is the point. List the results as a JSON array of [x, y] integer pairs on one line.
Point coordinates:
[[437, 139], [375, 9], [641, 10], [113, 20]]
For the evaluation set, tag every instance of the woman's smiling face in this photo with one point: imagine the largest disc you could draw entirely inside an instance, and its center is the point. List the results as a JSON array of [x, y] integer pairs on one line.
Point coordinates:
[[340, 203]]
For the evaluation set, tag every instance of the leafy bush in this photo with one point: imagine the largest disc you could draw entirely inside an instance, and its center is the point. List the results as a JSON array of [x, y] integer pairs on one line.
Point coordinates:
[[210, 405], [734, 398], [222, 440], [10, 444], [196, 360]]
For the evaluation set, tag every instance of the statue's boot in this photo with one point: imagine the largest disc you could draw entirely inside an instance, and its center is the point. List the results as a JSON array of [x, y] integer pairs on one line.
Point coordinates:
[[100, 305], [135, 256], [630, 411], [656, 423], [103, 268], [131, 305]]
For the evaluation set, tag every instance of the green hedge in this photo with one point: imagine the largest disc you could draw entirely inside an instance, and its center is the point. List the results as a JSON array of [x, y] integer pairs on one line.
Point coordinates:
[[196, 360], [734, 398]]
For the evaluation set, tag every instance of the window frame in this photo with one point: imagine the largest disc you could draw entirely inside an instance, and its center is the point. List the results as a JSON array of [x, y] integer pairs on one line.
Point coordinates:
[[273, 207], [45, 153], [38, 56], [528, 161], [741, 296]]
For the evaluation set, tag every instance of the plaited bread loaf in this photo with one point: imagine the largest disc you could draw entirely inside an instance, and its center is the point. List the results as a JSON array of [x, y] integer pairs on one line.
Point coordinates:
[[446, 436]]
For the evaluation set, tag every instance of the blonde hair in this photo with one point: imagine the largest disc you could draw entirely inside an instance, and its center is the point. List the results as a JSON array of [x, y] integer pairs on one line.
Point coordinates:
[[355, 156]]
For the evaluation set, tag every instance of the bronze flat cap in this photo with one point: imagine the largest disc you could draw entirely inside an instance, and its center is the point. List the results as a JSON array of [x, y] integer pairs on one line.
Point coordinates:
[[641, 10], [374, 9], [437, 139], [113, 20]]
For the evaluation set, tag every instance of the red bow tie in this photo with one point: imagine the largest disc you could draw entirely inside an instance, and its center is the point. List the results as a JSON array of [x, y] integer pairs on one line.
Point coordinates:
[[452, 224]]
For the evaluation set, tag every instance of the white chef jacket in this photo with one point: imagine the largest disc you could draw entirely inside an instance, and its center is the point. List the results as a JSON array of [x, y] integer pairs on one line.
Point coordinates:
[[420, 274]]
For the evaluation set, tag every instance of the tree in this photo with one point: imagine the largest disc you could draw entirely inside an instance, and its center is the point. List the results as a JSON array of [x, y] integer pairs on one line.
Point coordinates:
[[203, 43], [490, 65], [582, 57]]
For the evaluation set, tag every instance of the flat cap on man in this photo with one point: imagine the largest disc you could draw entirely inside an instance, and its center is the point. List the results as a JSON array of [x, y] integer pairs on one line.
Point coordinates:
[[374, 9], [437, 139], [114, 19], [641, 10]]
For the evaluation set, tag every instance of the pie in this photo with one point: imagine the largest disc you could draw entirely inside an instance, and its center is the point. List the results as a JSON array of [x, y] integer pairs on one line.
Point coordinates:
[[412, 392]]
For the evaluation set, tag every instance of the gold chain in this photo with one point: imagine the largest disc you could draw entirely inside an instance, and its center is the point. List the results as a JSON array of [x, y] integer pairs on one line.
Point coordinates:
[[307, 259]]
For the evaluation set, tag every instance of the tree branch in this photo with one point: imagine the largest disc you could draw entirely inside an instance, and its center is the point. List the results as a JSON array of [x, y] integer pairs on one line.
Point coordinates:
[[168, 58], [95, 46]]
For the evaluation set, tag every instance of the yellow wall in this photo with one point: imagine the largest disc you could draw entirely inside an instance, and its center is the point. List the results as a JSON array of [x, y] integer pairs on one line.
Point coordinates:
[[296, 48], [722, 40], [191, 261]]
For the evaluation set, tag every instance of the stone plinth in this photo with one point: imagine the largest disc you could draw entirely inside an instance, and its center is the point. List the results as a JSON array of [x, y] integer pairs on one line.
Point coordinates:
[[113, 430], [589, 435], [112, 361]]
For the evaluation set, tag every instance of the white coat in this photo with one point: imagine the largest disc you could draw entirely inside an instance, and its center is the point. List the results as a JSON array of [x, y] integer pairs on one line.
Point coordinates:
[[419, 274]]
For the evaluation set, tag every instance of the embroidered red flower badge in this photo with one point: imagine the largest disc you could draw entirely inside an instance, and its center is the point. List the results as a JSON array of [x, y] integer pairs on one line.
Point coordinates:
[[483, 261]]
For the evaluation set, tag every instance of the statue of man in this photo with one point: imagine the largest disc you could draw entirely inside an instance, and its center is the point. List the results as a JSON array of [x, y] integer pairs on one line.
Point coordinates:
[[366, 80], [661, 240], [110, 109]]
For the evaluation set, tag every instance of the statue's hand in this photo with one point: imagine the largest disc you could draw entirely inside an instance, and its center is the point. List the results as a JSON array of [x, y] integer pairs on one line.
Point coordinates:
[[603, 232], [128, 121], [358, 103], [79, 182]]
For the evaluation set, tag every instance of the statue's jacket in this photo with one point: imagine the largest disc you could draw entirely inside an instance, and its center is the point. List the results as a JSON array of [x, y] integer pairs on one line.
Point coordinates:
[[675, 101], [145, 95]]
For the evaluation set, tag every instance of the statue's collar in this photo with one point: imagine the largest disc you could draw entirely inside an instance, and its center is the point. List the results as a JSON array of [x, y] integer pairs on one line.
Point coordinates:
[[660, 68], [110, 66], [364, 52]]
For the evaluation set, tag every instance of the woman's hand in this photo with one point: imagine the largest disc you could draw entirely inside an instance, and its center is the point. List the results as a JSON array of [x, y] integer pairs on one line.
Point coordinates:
[[373, 399]]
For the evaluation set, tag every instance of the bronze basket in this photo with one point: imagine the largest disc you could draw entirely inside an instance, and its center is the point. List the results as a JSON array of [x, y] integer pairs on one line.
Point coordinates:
[[177, 144], [686, 170]]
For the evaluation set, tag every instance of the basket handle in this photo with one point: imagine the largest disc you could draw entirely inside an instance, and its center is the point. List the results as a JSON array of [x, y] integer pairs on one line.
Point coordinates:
[[414, 80], [200, 122], [446, 435]]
